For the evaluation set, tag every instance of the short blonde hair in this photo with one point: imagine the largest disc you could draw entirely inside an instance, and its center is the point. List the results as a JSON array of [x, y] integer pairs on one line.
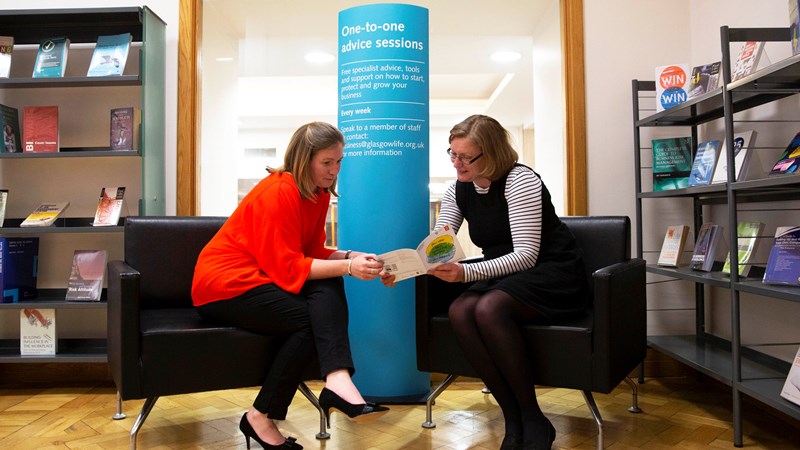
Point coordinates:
[[494, 142], [305, 143]]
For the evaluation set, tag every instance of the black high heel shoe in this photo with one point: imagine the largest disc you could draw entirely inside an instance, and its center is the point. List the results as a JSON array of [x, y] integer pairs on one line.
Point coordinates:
[[361, 413], [248, 432]]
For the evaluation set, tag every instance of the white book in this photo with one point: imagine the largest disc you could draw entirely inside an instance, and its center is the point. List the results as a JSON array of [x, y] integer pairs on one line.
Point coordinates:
[[672, 247], [743, 144], [791, 387], [6, 51], [109, 206], [37, 331], [3, 202]]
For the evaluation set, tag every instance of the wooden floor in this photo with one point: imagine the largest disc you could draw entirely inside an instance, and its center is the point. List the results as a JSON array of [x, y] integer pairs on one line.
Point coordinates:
[[679, 413]]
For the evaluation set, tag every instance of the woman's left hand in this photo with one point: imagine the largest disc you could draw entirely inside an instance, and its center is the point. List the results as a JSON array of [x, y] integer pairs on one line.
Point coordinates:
[[450, 272]]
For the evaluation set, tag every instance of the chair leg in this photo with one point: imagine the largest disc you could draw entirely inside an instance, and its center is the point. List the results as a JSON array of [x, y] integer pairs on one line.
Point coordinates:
[[587, 395], [119, 414], [323, 432], [634, 396], [432, 399], [146, 408]]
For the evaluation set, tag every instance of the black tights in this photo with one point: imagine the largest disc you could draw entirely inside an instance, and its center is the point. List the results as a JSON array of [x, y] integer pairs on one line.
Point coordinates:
[[489, 329]]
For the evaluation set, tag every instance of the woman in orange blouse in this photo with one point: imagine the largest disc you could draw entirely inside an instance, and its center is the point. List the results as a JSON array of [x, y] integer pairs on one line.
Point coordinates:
[[268, 271]]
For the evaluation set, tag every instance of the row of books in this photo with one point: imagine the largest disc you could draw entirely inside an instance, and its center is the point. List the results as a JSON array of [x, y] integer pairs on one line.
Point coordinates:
[[40, 131], [109, 209], [18, 283], [109, 57], [674, 167], [674, 85], [783, 265]]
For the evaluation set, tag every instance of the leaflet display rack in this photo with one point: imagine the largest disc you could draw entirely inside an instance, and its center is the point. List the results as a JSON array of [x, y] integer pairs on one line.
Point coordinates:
[[746, 369], [142, 85]]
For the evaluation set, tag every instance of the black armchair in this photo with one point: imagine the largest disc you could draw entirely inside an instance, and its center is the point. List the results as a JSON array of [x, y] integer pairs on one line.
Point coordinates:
[[592, 353], [157, 343]]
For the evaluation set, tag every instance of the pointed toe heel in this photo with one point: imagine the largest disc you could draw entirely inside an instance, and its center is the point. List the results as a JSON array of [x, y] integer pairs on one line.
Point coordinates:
[[360, 413], [248, 432]]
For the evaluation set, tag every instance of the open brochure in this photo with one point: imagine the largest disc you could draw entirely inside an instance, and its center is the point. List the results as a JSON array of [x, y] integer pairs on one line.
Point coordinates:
[[441, 246]]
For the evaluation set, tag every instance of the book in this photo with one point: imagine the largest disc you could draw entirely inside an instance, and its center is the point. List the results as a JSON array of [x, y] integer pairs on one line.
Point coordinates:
[[747, 61], [672, 247], [3, 202], [125, 128], [40, 128], [704, 79], [19, 268], [791, 387], [707, 247], [743, 144], [6, 52], [439, 247], [51, 59], [794, 25], [37, 331], [783, 265], [110, 55], [9, 121], [789, 159], [704, 162], [747, 237], [672, 163], [109, 206], [672, 81], [87, 275], [45, 214]]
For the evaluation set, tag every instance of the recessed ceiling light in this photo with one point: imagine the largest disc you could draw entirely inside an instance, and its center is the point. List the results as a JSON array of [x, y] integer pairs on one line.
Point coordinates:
[[506, 56], [225, 59], [319, 57]]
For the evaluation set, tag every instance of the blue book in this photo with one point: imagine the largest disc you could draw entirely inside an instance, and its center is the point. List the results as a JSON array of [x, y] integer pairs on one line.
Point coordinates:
[[704, 162], [783, 266], [51, 59], [110, 55], [19, 266]]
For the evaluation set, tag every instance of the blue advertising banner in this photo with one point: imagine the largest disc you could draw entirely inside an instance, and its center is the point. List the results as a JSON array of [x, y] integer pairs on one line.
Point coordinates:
[[384, 203]]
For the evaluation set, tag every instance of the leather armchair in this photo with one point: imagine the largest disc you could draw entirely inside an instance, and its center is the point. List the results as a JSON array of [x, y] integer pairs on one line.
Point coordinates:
[[593, 352], [157, 342]]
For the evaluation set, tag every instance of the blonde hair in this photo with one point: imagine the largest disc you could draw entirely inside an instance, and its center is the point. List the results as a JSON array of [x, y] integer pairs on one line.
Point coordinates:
[[492, 139], [305, 143]]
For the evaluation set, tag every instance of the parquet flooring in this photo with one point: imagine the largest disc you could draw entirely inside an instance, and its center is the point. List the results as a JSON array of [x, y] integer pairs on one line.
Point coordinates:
[[678, 413]]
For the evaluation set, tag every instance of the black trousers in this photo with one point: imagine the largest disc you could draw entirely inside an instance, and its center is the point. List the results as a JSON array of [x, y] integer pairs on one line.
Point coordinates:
[[314, 319]]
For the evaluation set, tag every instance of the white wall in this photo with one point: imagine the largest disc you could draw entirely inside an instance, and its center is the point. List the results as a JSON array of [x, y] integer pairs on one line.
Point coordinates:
[[548, 106], [625, 40]]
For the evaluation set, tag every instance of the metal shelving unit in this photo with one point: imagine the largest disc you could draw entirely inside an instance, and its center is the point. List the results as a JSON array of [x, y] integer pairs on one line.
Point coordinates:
[[746, 370]]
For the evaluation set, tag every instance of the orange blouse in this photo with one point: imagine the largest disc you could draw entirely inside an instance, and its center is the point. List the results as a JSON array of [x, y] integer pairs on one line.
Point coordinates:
[[271, 237]]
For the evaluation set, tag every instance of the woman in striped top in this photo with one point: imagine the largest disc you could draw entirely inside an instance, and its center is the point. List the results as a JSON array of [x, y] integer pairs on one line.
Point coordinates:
[[531, 270]]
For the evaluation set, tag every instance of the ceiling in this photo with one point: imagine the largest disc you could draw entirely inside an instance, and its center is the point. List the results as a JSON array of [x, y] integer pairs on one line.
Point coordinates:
[[268, 39]]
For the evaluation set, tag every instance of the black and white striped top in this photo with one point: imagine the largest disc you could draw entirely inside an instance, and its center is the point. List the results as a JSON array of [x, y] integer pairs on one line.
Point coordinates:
[[523, 192]]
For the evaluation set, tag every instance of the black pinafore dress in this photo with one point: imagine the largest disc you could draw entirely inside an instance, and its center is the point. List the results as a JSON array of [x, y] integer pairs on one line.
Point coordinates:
[[557, 284]]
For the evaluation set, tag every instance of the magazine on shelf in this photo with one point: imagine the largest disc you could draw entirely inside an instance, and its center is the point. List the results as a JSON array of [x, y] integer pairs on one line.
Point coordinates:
[[704, 162], [19, 268], [37, 331], [441, 246], [791, 387], [110, 55], [109, 206], [748, 235], [743, 143], [672, 247], [6, 53], [87, 275], [708, 246], [783, 265], [51, 59], [672, 81], [45, 214]]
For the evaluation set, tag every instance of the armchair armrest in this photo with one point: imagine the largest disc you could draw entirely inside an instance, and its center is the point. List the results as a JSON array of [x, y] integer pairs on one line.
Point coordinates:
[[620, 321], [124, 328]]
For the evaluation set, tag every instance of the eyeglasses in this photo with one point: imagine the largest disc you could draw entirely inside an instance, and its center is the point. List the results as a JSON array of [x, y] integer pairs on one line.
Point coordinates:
[[464, 160]]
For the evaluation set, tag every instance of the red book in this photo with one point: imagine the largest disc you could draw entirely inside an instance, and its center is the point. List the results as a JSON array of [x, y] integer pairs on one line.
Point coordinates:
[[40, 128]]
